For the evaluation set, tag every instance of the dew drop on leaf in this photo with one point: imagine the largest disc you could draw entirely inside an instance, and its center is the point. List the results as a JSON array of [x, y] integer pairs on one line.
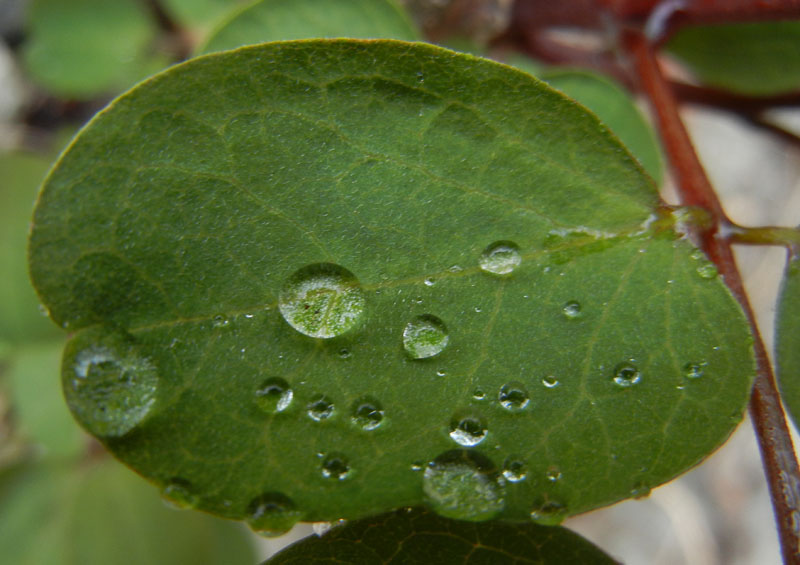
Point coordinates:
[[553, 474], [425, 336], [367, 414], [550, 513], [178, 493], [626, 374], [274, 395], [272, 514], [430, 282], [515, 470], [571, 310], [320, 408], [513, 397], [478, 394], [220, 321], [707, 270], [468, 431], [694, 370], [550, 381], [500, 258], [464, 485], [322, 300], [640, 490], [109, 386], [335, 466]]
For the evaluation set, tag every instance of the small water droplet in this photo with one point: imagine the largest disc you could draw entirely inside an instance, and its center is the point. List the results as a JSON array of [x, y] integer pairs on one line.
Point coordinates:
[[441, 373], [500, 258], [344, 353], [626, 374], [425, 336], [571, 310], [220, 321], [550, 513], [321, 528], [430, 282], [550, 381], [697, 255], [515, 470], [707, 270], [478, 309], [416, 466], [274, 395], [553, 474], [335, 466], [272, 514], [640, 490], [694, 370], [468, 430], [109, 385], [367, 414], [455, 268], [320, 408], [178, 493], [465, 486], [322, 300], [478, 394], [513, 397]]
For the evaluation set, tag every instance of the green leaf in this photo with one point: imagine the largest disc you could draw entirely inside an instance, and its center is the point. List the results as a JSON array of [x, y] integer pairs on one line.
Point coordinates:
[[616, 109], [759, 59], [39, 410], [202, 14], [83, 48], [20, 318], [788, 338], [275, 20], [421, 537], [324, 279], [99, 512]]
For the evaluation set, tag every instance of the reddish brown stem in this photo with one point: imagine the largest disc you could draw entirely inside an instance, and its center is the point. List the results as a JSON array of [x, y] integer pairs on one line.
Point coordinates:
[[777, 452], [730, 100]]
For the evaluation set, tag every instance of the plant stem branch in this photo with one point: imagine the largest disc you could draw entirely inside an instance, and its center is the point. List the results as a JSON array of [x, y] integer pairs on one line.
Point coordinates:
[[777, 452], [766, 235]]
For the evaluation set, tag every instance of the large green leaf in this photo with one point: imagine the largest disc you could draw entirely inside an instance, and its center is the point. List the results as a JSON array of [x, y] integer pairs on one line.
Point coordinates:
[[324, 279], [788, 338], [420, 537], [274, 20], [752, 58], [83, 48], [99, 512]]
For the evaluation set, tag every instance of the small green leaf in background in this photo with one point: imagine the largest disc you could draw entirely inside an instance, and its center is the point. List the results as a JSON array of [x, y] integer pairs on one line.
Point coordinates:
[[759, 59], [98, 512], [84, 48], [787, 337], [414, 536], [201, 15], [362, 273], [616, 109], [274, 20]]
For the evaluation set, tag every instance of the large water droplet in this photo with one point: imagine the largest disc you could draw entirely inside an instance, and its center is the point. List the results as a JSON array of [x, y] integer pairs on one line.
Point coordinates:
[[626, 374], [178, 493], [367, 414], [464, 486], [707, 270], [500, 258], [425, 336], [571, 310], [320, 408], [335, 466], [109, 385], [468, 430], [515, 470], [694, 370], [274, 395], [513, 397], [322, 300], [272, 514], [550, 513]]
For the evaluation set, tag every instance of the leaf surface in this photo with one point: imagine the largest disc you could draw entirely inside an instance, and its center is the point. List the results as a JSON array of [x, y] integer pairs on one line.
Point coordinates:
[[421, 537], [202, 14], [276, 20], [788, 339], [323, 279], [100, 512], [759, 58]]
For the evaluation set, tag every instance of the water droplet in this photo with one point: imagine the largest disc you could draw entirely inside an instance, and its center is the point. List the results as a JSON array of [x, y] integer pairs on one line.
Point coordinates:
[[571, 310], [425, 336], [697, 254], [550, 513], [430, 282], [220, 321], [478, 310], [550, 381], [336, 467], [177, 493], [500, 258], [416, 466], [367, 414], [272, 514], [441, 373], [513, 397], [707, 270], [344, 353], [694, 370], [455, 268], [468, 431], [274, 395], [553, 474], [43, 310], [626, 374], [321, 528], [320, 408], [515, 470], [109, 385], [322, 300], [464, 486], [478, 394]]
